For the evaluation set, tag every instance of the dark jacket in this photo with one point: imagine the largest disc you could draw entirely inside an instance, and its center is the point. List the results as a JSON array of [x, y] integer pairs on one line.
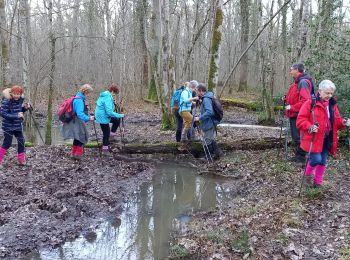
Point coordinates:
[[9, 112], [207, 112]]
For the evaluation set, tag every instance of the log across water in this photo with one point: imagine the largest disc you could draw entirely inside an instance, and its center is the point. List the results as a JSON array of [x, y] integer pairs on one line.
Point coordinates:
[[196, 146]]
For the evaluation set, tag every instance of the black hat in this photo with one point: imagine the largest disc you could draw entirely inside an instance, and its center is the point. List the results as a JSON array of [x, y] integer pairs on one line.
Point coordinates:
[[298, 66]]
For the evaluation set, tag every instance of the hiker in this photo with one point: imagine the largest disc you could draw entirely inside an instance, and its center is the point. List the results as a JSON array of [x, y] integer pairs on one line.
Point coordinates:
[[105, 112], [12, 111], [174, 106], [208, 120], [298, 93], [319, 122], [76, 128], [186, 102]]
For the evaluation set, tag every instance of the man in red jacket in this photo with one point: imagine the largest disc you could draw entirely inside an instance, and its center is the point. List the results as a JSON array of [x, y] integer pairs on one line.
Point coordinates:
[[299, 92]]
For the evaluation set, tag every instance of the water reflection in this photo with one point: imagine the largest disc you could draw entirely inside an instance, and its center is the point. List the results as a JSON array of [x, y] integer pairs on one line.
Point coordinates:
[[32, 135], [144, 227]]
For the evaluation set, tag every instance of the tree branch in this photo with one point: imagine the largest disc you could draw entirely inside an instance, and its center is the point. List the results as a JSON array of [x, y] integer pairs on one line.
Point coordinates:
[[250, 45]]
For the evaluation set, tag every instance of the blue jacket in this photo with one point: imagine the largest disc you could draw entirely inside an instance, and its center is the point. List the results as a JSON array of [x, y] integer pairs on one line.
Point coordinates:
[[9, 112], [79, 107], [105, 108], [207, 112], [185, 103]]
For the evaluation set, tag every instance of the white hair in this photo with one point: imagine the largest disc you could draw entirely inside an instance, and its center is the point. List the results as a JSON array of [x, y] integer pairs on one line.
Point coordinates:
[[326, 84], [193, 84]]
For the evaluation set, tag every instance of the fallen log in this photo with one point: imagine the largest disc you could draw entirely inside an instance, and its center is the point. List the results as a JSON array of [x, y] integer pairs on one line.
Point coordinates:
[[195, 147]]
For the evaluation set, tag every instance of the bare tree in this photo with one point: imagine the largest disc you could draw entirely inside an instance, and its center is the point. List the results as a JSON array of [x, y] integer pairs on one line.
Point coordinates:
[[244, 4], [52, 40], [215, 46], [4, 42]]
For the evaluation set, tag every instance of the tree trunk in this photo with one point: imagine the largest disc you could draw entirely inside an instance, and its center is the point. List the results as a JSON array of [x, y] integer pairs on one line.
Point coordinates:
[[52, 40], [4, 46], [166, 54], [243, 78], [155, 51], [214, 57], [141, 14]]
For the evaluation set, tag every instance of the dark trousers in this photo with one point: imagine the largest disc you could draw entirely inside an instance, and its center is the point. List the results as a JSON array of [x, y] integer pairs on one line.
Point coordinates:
[[179, 125], [8, 135], [299, 153], [115, 124], [106, 133], [77, 143]]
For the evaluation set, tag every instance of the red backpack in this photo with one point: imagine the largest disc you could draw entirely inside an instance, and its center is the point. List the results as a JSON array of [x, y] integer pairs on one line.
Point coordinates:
[[65, 110]]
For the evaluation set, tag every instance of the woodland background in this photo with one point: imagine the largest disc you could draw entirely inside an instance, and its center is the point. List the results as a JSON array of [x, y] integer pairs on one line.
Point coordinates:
[[150, 47]]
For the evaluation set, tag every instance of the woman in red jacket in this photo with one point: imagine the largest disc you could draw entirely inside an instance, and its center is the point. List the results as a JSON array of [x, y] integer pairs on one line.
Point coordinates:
[[319, 131]]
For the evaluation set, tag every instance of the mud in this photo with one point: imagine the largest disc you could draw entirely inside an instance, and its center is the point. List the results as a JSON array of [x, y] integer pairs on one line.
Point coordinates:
[[54, 198]]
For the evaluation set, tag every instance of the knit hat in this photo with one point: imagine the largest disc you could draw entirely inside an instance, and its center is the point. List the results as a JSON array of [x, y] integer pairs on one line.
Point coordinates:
[[298, 66]]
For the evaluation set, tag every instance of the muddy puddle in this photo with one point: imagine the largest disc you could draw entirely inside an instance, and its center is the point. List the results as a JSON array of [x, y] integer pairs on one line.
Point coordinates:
[[144, 226]]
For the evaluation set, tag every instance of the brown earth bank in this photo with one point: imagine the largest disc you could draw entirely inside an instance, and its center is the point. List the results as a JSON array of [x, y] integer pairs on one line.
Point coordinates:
[[268, 220]]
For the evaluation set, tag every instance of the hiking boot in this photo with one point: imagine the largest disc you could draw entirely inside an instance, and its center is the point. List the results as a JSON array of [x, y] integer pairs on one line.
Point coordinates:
[[78, 153], [309, 180], [2, 154], [105, 150], [21, 159]]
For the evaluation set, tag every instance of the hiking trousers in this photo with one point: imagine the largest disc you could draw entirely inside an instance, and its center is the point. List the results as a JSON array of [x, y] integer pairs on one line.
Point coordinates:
[[106, 133], [8, 135], [115, 124], [299, 153], [187, 118], [179, 125]]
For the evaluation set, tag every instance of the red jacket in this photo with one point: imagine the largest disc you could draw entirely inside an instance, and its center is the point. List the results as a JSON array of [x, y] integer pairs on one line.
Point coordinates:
[[297, 94], [305, 120]]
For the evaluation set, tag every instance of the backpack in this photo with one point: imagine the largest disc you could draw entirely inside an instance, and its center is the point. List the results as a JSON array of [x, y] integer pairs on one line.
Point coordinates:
[[218, 109], [175, 100], [65, 110]]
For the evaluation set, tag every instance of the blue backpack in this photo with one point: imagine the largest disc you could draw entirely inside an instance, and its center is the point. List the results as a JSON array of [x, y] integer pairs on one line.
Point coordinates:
[[175, 100]]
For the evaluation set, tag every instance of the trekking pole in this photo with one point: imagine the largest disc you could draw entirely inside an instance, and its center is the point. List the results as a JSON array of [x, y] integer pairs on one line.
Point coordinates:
[[202, 142], [348, 136], [282, 121], [308, 154], [206, 149], [98, 144], [35, 123]]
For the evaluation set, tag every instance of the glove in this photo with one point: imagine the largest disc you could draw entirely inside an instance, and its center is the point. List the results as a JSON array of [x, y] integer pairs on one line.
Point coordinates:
[[313, 128], [288, 107]]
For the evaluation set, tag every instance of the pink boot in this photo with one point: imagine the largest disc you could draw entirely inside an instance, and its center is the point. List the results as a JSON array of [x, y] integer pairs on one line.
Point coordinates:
[[320, 170], [2, 154], [309, 169], [21, 158], [309, 175]]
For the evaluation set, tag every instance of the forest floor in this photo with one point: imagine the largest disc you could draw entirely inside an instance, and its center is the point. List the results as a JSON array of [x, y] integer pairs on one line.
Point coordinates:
[[55, 198]]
